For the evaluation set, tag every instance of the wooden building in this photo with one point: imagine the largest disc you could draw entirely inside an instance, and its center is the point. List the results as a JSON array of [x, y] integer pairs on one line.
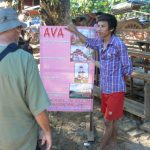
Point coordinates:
[[31, 2], [22, 3]]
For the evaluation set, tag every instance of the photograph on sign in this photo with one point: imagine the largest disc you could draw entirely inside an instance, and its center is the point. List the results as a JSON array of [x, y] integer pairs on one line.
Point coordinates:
[[81, 72], [80, 91], [87, 32], [79, 53]]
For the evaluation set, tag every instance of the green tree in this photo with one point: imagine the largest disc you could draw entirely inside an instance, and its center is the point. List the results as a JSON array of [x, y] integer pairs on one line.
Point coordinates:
[[59, 12], [80, 7], [145, 8]]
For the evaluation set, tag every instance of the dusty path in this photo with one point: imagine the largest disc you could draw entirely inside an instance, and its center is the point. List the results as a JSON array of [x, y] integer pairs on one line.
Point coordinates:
[[69, 132]]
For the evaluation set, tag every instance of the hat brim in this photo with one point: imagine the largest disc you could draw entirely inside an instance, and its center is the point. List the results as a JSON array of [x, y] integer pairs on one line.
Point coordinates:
[[11, 25]]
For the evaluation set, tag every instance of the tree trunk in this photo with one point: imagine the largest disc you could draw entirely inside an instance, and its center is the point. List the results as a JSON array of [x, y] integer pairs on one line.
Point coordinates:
[[20, 5], [55, 12]]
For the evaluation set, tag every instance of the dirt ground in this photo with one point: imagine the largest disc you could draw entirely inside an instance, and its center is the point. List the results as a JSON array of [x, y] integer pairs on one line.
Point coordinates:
[[70, 131]]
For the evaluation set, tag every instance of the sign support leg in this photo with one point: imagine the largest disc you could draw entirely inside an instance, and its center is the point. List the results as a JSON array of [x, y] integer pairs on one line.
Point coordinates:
[[90, 129]]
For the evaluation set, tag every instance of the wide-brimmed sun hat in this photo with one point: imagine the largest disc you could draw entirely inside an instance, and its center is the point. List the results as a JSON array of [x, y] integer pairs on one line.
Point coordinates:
[[9, 19]]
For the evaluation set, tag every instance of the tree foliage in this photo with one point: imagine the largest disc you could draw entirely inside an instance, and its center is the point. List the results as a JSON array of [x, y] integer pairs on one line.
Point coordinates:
[[146, 8], [59, 12], [80, 7]]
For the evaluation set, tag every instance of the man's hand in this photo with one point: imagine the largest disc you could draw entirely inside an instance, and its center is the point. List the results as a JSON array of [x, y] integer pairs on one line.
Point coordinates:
[[72, 28], [125, 78], [47, 139], [46, 135]]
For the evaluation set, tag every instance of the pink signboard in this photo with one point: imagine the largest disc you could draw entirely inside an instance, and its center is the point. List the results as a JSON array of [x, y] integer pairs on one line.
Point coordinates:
[[67, 69]]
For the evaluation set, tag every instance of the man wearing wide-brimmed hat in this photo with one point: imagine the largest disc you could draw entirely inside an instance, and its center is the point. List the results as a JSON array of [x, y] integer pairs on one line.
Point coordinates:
[[23, 99]]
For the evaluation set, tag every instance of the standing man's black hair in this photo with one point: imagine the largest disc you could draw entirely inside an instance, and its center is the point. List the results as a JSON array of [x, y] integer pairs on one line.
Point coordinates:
[[111, 19]]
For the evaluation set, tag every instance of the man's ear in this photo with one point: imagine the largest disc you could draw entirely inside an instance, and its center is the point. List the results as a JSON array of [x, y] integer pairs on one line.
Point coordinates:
[[112, 30], [18, 30]]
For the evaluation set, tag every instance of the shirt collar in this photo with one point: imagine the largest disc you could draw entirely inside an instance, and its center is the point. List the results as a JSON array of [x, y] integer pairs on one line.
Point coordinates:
[[112, 39]]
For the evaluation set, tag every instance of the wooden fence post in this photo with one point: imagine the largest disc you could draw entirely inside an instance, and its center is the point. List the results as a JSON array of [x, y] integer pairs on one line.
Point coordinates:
[[147, 101], [131, 87]]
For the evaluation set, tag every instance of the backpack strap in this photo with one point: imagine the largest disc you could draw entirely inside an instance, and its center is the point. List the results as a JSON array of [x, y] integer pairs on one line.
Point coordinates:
[[10, 48]]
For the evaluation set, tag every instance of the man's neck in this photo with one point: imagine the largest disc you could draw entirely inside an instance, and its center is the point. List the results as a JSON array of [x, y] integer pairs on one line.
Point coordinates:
[[7, 37], [107, 39], [6, 42]]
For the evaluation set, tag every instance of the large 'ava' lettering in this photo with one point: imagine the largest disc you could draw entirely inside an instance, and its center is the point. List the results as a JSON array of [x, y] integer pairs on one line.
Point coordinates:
[[54, 32]]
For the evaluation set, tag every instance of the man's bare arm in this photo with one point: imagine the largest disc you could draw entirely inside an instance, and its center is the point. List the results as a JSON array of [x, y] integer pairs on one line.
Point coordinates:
[[43, 122], [72, 28]]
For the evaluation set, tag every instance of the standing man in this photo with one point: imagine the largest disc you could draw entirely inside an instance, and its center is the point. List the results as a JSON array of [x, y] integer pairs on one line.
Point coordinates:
[[23, 100], [115, 68]]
